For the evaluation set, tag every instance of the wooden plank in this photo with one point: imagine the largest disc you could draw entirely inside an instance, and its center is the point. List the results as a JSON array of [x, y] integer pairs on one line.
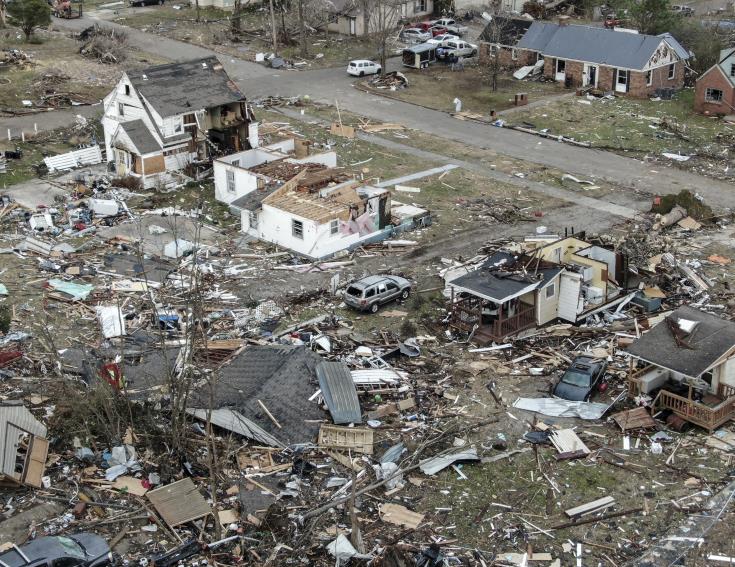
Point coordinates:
[[129, 484], [400, 516], [36, 462], [353, 438], [179, 502], [594, 506]]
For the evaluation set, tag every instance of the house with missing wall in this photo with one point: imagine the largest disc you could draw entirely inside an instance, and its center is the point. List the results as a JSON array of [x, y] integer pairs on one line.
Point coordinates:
[[500, 38], [623, 62], [161, 121], [533, 283], [23, 446], [686, 365], [715, 90]]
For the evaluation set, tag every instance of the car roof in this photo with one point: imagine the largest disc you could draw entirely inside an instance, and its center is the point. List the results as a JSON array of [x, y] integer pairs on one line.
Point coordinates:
[[49, 547], [372, 280], [361, 61]]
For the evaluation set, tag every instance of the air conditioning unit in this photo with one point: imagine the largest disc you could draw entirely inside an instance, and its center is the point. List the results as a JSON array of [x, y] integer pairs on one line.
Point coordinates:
[[587, 272]]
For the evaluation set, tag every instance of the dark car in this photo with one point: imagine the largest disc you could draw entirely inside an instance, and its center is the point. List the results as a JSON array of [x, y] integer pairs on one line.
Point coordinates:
[[146, 2], [78, 550], [580, 379], [369, 293]]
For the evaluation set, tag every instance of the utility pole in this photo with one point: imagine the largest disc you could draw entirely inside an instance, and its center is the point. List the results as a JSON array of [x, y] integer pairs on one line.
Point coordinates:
[[273, 29]]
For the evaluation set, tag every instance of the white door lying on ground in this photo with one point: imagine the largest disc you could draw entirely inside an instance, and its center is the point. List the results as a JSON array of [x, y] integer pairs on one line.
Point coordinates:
[[570, 288], [561, 70]]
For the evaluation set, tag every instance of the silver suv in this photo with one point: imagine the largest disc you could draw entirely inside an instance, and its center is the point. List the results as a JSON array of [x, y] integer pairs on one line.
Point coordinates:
[[369, 293]]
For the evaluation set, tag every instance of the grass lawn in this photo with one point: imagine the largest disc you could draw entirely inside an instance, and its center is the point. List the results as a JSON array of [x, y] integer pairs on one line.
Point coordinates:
[[641, 127], [57, 66], [438, 86]]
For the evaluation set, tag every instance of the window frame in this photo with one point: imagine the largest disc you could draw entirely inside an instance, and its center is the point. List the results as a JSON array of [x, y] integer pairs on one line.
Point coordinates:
[[297, 229], [672, 71], [127, 90], [550, 288], [334, 227], [649, 78], [708, 95], [120, 109], [732, 69], [230, 178], [514, 54]]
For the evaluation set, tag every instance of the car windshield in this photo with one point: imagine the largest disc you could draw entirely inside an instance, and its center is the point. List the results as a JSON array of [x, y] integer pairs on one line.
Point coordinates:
[[71, 547], [354, 291], [576, 378]]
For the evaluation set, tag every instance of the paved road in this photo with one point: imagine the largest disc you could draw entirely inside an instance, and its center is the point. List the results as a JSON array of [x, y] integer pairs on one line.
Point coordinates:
[[328, 85]]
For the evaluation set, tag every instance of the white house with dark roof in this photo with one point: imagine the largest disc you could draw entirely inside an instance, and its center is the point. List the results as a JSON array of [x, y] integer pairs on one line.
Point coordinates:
[[160, 120], [618, 61]]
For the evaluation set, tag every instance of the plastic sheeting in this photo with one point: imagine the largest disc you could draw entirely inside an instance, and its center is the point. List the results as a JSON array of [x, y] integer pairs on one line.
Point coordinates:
[[111, 320], [78, 292], [554, 407]]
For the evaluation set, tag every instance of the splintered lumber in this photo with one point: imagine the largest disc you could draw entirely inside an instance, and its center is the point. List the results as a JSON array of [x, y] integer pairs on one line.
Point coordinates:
[[591, 507], [269, 414], [400, 516]]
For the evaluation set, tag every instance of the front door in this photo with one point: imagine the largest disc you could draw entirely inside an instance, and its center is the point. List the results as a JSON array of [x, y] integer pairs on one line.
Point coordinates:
[[590, 75], [621, 81], [561, 70]]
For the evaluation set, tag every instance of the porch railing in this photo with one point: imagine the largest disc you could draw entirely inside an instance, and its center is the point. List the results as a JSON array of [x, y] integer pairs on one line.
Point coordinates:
[[524, 319], [694, 412]]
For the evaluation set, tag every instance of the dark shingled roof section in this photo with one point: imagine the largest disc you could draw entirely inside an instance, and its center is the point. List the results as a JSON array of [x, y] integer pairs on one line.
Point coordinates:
[[596, 45], [485, 280], [139, 134], [177, 88], [254, 200], [711, 338], [283, 377], [505, 31]]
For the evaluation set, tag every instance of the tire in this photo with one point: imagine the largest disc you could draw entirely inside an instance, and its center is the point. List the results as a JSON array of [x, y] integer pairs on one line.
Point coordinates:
[[474, 53], [362, 73], [405, 293], [374, 308]]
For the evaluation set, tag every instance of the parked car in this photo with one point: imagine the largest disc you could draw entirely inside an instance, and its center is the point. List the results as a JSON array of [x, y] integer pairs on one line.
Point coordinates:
[[78, 550], [423, 26], [369, 293], [580, 379], [439, 39], [437, 30], [146, 2], [414, 35], [452, 47], [452, 26], [682, 9], [362, 67]]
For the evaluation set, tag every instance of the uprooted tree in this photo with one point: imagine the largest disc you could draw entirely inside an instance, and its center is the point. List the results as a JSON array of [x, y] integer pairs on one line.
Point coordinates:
[[29, 15]]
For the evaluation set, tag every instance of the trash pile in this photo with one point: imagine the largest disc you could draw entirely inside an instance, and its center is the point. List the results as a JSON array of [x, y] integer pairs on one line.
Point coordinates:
[[393, 81], [106, 45]]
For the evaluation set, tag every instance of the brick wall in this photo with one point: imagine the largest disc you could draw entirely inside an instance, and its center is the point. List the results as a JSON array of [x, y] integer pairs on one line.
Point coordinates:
[[523, 57], [714, 79]]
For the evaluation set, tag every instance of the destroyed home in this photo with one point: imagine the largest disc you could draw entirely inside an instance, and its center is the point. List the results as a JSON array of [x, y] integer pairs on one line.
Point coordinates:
[[23, 445], [349, 17], [238, 175], [531, 284], [687, 367], [715, 88], [499, 39], [160, 121], [636, 64]]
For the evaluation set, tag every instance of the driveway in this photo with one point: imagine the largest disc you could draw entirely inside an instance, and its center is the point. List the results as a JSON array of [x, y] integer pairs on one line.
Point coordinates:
[[330, 85]]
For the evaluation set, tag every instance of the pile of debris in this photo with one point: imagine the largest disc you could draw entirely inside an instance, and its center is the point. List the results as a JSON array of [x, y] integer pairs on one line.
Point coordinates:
[[106, 45], [393, 80]]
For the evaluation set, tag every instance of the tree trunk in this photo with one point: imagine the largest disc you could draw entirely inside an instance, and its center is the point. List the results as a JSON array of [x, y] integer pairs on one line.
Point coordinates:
[[273, 29], [198, 12], [28, 32], [3, 21], [302, 27], [236, 15]]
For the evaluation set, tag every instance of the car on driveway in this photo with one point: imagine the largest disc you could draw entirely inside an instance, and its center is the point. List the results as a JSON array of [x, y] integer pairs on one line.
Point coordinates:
[[580, 379], [458, 48], [369, 293], [452, 26], [414, 35], [146, 2], [78, 550], [362, 67], [439, 39]]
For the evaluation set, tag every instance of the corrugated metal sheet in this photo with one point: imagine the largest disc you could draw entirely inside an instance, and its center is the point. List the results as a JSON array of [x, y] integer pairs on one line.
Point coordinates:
[[237, 423], [339, 392], [435, 464], [14, 420], [179, 502], [76, 158]]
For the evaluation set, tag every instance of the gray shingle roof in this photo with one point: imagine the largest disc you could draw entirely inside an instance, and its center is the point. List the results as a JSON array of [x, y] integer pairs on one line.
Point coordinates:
[[141, 136], [253, 201], [711, 339], [283, 378], [596, 45], [177, 88]]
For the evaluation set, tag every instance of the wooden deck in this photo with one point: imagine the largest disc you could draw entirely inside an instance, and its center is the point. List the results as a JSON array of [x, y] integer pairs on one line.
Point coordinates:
[[709, 417], [502, 328]]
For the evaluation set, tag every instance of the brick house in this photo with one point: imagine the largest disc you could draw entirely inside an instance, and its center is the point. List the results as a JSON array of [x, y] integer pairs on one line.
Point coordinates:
[[609, 60], [715, 90], [499, 39], [361, 17]]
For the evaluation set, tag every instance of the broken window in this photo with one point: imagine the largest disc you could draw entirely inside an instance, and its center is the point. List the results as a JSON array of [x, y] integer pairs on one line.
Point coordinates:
[[120, 109], [713, 95], [672, 70], [297, 229], [253, 219], [561, 66], [419, 6], [230, 181], [334, 226], [127, 90], [649, 78], [732, 69], [550, 290]]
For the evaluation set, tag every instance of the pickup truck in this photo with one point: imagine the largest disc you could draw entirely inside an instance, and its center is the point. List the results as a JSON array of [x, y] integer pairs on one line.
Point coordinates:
[[451, 25], [457, 47]]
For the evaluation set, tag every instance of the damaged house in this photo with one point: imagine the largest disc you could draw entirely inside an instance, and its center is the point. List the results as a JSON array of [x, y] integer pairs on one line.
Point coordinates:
[[350, 17], [605, 59], [533, 283], [23, 446], [160, 120], [686, 363], [715, 90]]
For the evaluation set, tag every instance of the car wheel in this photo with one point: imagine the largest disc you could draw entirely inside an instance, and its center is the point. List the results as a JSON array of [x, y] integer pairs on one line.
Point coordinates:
[[474, 51], [405, 293], [374, 308], [362, 73]]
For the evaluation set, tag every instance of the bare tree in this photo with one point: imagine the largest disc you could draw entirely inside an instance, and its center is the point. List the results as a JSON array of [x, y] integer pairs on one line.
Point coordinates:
[[235, 25], [381, 23], [273, 29], [3, 10], [495, 34], [302, 29]]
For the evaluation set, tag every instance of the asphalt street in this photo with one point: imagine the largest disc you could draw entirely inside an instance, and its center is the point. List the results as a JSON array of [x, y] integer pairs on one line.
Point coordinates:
[[333, 84]]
